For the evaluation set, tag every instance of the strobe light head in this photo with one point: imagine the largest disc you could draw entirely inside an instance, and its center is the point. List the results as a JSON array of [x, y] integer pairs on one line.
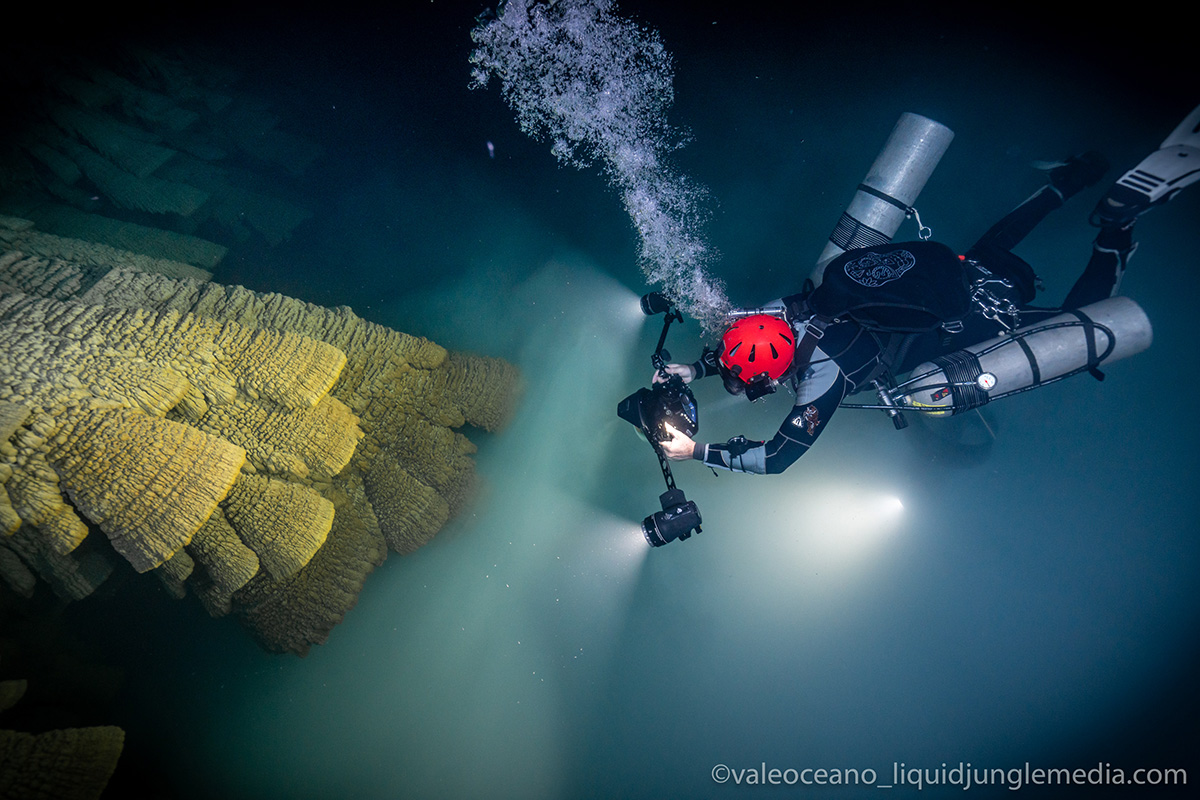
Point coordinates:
[[678, 518], [655, 303]]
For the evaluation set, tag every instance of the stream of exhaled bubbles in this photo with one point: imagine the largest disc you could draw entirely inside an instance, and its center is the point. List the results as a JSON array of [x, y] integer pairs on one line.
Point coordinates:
[[598, 87]]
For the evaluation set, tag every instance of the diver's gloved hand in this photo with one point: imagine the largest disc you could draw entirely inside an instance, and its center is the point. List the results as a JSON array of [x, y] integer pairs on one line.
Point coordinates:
[[685, 371], [680, 446]]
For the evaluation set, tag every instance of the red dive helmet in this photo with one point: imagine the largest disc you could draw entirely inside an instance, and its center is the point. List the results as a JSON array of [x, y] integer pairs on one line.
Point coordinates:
[[758, 345]]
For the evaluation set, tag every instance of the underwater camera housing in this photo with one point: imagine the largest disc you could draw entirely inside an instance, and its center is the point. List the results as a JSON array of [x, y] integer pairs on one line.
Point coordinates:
[[651, 410]]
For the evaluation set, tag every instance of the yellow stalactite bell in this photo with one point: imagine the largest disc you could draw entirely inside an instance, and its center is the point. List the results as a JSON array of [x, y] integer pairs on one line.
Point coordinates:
[[283, 523], [148, 483], [228, 564], [67, 764]]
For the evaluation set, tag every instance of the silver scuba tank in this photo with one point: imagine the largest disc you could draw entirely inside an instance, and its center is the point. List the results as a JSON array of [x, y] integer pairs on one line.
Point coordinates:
[[886, 195], [1029, 357]]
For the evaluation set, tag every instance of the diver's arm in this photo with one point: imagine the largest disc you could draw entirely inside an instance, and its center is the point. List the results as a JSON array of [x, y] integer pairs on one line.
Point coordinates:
[[797, 433], [705, 366]]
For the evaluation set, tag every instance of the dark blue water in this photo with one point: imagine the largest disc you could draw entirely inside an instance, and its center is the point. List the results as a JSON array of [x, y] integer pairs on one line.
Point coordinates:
[[926, 597]]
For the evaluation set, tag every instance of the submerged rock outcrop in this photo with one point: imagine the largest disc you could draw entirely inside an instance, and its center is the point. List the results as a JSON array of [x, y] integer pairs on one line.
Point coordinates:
[[253, 450], [136, 134], [68, 764]]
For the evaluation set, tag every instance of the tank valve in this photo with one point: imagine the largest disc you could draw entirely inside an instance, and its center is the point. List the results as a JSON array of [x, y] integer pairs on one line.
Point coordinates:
[[893, 410]]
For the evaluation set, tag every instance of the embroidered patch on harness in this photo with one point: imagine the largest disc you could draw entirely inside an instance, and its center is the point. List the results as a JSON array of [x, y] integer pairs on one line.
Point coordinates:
[[875, 269], [808, 420]]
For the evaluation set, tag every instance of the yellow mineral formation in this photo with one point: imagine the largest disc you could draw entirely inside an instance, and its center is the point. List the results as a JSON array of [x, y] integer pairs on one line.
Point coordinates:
[[72, 576], [227, 563], [148, 483], [409, 512], [154, 388], [390, 379], [12, 416], [292, 370], [291, 615], [472, 388], [150, 249], [437, 456], [69, 764], [11, 692], [38, 256], [261, 452], [33, 490], [157, 360], [174, 571], [283, 523], [9, 521], [319, 440]]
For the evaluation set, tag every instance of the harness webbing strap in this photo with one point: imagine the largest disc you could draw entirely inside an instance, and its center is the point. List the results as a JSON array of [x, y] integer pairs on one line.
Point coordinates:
[[893, 352], [1089, 334], [1033, 365], [885, 197], [808, 342]]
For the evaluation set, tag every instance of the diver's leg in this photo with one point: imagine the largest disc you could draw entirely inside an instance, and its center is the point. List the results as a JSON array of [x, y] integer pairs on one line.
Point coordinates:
[[1101, 279], [1016, 224], [1159, 177], [1066, 178], [1154, 181]]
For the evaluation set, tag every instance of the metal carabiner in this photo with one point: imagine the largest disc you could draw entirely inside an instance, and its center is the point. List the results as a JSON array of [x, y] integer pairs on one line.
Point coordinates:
[[923, 232]]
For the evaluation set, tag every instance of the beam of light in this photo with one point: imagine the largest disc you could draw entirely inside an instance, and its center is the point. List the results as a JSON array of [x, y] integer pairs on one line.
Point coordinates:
[[583, 328], [612, 307], [797, 557], [615, 548], [569, 294], [851, 523], [634, 309], [587, 561], [820, 539]]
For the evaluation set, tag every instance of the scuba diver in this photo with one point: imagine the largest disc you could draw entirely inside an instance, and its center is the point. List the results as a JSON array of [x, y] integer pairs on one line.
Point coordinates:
[[807, 342]]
